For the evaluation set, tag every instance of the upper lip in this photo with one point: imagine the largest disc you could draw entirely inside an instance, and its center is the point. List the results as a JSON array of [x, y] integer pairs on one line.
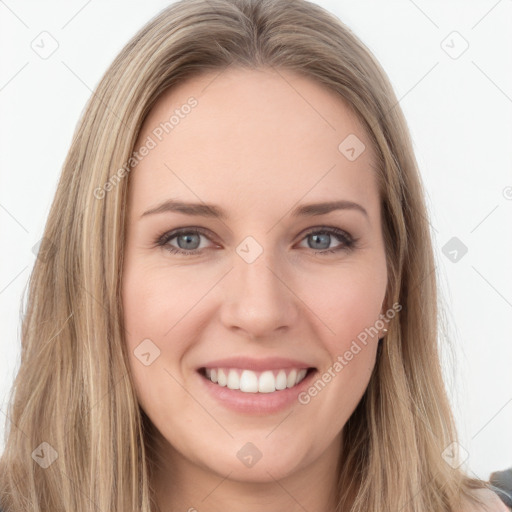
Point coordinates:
[[247, 363]]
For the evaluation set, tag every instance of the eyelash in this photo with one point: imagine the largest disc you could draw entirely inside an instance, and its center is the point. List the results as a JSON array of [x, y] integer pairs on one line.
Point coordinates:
[[348, 242]]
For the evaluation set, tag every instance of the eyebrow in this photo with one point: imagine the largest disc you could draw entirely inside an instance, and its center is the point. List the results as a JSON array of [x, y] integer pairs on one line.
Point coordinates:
[[213, 211]]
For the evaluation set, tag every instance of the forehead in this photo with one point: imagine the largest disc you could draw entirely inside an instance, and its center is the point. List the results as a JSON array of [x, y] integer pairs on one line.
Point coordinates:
[[252, 138]]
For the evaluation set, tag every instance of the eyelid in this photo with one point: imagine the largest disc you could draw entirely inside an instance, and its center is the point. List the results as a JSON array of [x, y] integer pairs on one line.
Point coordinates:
[[348, 242], [165, 237], [328, 229]]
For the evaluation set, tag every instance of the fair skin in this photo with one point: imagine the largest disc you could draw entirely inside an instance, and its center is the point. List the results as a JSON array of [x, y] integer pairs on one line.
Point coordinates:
[[258, 148], [490, 502]]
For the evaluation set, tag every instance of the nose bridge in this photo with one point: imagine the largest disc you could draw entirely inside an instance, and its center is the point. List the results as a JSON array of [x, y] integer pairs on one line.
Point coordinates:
[[259, 285], [258, 278], [257, 300]]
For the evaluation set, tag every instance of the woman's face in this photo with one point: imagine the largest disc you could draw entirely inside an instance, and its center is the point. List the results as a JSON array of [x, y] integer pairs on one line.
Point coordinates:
[[265, 287]]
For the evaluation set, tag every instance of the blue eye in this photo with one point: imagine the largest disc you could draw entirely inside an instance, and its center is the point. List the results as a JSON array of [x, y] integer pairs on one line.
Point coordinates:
[[324, 237], [189, 240]]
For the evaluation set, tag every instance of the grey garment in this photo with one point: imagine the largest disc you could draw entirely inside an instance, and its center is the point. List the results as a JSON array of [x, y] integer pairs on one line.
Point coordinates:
[[501, 484]]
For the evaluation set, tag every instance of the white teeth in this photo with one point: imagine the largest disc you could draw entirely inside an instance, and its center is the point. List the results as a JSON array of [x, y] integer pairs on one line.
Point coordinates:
[[248, 381], [300, 375], [222, 379], [292, 378], [281, 380], [267, 382], [233, 380]]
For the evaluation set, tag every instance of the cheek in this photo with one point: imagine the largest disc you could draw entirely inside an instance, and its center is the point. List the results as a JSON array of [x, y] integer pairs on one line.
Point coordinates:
[[351, 341], [147, 311], [349, 307], [162, 312], [348, 303], [156, 303]]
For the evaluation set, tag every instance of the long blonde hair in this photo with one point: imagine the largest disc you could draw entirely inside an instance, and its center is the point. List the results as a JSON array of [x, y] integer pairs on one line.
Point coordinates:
[[74, 391]]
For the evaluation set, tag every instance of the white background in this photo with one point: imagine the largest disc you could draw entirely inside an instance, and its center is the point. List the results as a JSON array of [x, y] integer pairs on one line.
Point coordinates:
[[459, 114]]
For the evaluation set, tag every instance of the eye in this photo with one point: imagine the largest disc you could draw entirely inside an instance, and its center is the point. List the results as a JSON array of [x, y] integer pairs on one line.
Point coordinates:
[[322, 238], [188, 241]]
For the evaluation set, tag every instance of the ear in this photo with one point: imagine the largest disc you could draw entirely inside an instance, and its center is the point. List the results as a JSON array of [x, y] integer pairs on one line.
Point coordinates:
[[384, 317]]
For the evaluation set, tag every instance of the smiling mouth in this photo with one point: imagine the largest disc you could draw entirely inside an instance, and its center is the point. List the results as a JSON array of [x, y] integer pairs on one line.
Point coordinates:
[[248, 381]]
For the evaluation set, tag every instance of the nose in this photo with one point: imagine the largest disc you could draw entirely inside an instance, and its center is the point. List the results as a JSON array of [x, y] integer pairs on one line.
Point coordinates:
[[259, 298]]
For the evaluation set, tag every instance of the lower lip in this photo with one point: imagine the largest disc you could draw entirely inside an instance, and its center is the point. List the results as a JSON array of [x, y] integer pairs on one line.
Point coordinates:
[[257, 403]]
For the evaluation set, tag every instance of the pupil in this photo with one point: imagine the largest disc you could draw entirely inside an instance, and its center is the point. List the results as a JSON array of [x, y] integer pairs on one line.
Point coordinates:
[[325, 239], [187, 239]]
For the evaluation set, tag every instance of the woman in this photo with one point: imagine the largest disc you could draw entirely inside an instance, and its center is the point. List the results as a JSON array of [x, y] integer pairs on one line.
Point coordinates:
[[187, 345]]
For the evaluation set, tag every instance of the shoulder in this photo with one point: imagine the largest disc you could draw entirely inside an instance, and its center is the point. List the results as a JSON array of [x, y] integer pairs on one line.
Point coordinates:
[[490, 502]]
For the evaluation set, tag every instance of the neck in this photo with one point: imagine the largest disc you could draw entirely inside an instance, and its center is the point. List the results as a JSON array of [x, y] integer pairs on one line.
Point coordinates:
[[182, 485]]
